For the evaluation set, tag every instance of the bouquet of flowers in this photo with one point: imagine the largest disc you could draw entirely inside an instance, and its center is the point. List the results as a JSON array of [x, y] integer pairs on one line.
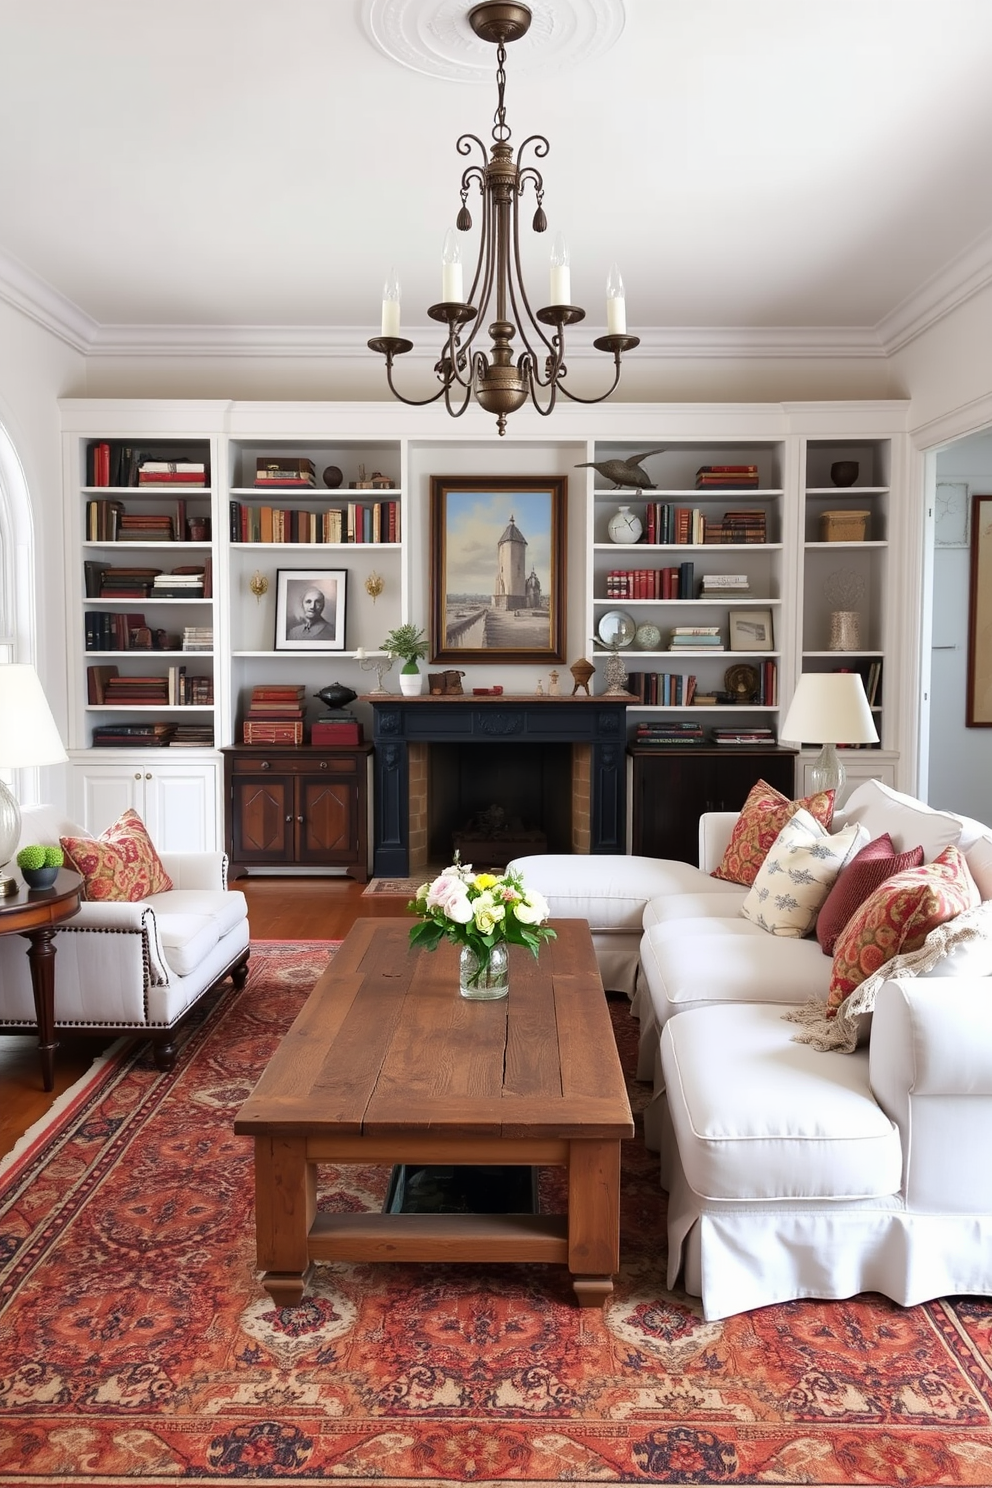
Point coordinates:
[[480, 911]]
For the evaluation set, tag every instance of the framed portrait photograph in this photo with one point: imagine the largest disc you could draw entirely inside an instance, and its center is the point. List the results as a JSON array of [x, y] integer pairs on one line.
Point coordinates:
[[498, 569], [979, 705], [310, 609], [751, 630]]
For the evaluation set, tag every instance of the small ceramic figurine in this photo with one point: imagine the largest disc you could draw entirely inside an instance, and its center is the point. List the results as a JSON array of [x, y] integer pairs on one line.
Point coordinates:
[[581, 671], [553, 685], [539, 690]]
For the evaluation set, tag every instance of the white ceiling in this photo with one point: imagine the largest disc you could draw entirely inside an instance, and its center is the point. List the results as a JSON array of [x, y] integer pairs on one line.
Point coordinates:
[[758, 165]]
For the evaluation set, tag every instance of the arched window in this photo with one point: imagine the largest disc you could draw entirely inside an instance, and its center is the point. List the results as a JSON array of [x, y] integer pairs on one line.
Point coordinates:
[[16, 535]]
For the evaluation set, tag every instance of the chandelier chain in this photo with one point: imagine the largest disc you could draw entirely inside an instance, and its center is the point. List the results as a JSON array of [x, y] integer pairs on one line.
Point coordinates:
[[501, 130]]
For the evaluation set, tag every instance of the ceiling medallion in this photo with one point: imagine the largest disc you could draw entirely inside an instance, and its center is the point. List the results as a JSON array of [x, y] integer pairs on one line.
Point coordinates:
[[502, 379]]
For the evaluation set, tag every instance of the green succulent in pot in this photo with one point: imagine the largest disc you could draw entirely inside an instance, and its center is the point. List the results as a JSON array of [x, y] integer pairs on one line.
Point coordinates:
[[409, 643], [35, 857]]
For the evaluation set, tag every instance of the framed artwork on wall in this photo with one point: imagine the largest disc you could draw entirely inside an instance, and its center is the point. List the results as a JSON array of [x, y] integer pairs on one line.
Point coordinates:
[[979, 697], [497, 581], [751, 630], [310, 609]]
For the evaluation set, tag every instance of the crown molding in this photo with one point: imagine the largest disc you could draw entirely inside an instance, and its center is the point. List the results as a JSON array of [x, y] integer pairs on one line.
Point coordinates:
[[40, 302], [954, 284]]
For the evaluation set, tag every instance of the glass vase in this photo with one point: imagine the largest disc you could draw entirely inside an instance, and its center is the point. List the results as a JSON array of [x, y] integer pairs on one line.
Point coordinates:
[[484, 980]]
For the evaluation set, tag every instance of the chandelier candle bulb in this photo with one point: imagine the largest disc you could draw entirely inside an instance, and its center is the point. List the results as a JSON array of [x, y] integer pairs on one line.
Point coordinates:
[[561, 274], [391, 305], [452, 291], [616, 305]]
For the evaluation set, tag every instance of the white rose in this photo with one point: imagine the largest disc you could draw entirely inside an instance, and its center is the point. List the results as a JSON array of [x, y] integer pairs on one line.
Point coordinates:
[[533, 909]]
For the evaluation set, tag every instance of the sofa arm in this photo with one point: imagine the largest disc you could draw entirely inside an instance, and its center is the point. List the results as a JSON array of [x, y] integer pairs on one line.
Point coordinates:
[[930, 1068], [115, 917], [196, 870], [715, 828]]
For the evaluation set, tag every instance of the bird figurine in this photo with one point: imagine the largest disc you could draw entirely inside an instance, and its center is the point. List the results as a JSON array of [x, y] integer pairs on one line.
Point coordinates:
[[624, 472]]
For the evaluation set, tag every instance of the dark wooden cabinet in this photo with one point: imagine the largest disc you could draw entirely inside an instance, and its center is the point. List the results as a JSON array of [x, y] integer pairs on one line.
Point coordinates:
[[297, 806], [672, 787]]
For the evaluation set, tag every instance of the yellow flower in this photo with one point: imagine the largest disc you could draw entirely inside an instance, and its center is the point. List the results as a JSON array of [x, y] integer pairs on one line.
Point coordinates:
[[485, 881]]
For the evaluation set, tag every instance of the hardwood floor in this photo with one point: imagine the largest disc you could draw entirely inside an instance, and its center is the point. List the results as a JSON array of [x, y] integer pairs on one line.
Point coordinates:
[[278, 909]]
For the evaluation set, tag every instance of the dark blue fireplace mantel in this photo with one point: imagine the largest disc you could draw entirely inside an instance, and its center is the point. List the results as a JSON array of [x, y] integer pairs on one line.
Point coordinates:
[[399, 722]]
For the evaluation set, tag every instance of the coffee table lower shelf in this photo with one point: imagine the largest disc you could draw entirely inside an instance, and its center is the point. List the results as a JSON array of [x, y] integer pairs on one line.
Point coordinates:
[[439, 1237]]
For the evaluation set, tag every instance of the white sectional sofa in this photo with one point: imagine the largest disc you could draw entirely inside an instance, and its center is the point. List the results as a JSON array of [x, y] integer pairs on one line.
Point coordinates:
[[793, 1171]]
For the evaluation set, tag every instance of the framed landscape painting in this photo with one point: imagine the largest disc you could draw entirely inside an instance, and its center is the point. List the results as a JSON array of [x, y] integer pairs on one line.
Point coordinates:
[[979, 704], [498, 569]]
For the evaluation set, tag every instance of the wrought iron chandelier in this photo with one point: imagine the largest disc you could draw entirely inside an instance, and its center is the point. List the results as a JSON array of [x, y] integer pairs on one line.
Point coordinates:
[[501, 384]]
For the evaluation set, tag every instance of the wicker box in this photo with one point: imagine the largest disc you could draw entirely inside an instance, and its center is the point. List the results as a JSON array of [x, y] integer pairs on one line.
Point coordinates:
[[843, 526]]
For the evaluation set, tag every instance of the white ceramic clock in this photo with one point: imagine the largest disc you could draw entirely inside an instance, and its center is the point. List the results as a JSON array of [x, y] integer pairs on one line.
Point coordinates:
[[625, 526]]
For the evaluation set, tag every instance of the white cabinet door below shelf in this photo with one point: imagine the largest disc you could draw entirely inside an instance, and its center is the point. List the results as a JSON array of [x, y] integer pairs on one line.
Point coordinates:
[[177, 803]]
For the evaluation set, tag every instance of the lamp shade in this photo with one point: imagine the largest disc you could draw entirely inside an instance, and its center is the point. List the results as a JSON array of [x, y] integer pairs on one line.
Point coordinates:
[[830, 708], [28, 735]]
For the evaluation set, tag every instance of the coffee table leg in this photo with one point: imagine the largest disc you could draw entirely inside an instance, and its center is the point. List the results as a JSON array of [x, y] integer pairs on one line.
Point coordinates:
[[593, 1219], [285, 1206]]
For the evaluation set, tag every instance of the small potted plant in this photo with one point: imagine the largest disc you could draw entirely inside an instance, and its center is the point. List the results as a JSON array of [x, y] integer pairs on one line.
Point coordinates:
[[40, 865], [408, 643]]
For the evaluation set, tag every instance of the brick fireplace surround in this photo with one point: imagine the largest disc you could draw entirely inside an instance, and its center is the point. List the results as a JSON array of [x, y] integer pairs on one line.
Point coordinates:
[[405, 728]]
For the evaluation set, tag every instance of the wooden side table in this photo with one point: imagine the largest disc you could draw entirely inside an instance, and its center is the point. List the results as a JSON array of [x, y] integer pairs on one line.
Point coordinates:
[[36, 914]]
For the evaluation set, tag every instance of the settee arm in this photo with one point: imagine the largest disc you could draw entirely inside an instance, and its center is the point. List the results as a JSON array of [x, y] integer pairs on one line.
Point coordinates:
[[715, 828], [196, 870], [930, 1068], [116, 917]]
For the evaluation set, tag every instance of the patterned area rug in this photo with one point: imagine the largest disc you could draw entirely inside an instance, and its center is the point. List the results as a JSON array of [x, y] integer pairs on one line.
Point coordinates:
[[407, 887], [136, 1346]]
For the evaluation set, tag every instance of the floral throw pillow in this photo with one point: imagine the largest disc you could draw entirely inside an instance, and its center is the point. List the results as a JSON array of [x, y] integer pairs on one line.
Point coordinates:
[[798, 874], [897, 918], [120, 864], [763, 815]]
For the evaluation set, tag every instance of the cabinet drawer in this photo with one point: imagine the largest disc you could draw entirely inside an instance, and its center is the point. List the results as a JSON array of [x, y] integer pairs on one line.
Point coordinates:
[[308, 762]]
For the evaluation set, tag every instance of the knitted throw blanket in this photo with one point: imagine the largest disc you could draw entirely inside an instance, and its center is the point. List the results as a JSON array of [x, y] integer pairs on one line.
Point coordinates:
[[840, 1033]]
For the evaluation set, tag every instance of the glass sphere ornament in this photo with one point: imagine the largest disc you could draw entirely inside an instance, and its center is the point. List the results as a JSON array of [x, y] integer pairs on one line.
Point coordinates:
[[625, 526], [647, 638]]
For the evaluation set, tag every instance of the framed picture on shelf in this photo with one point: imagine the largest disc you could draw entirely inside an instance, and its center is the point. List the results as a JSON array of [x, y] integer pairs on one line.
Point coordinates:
[[751, 630], [979, 705], [498, 569], [310, 609]]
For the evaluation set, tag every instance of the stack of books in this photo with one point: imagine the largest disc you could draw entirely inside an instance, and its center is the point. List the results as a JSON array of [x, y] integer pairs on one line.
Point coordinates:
[[136, 692], [122, 582], [743, 735], [193, 736], [671, 732], [275, 714], [181, 583], [132, 735], [696, 638], [745, 525], [198, 638], [726, 477], [284, 470], [172, 473], [724, 586], [135, 527]]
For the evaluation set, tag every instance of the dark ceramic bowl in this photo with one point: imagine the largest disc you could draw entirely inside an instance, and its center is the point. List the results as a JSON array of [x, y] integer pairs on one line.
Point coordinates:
[[39, 878], [844, 472]]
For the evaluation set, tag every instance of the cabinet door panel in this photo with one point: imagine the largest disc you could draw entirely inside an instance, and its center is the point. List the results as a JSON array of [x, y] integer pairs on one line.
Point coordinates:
[[101, 792], [263, 819], [180, 809], [327, 830], [672, 790]]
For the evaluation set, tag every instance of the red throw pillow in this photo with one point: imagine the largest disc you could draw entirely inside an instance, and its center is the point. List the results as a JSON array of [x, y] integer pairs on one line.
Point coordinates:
[[877, 861], [120, 864], [897, 918], [763, 815]]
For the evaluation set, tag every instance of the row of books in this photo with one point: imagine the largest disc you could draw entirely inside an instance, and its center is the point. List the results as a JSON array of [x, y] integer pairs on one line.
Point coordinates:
[[651, 583], [153, 735], [670, 525], [726, 477], [137, 581], [114, 462], [174, 688], [378, 522], [110, 521], [116, 630], [675, 690]]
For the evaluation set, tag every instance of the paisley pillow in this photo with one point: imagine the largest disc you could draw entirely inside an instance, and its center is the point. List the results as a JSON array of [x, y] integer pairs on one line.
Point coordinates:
[[120, 864], [763, 815], [897, 918]]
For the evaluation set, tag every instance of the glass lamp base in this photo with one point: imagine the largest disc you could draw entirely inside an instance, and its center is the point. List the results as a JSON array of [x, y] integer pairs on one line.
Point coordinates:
[[826, 772], [10, 833]]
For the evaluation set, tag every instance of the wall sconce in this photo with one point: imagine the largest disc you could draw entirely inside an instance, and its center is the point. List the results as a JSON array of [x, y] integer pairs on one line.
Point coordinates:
[[259, 585], [374, 586]]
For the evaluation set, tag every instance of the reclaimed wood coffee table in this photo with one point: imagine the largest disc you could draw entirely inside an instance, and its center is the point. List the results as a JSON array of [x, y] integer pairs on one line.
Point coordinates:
[[386, 1063]]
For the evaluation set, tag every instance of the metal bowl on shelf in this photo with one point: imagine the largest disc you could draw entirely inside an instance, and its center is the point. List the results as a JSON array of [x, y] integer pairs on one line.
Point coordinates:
[[616, 629]]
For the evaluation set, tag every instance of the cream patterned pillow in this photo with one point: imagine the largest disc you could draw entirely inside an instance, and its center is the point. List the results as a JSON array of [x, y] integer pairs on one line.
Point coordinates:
[[798, 874]]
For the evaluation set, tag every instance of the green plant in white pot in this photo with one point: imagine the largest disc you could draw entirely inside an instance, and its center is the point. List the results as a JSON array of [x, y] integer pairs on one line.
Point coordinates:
[[408, 644]]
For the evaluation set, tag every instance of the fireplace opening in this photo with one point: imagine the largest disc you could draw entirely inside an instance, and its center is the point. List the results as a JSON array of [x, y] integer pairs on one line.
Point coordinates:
[[492, 803]]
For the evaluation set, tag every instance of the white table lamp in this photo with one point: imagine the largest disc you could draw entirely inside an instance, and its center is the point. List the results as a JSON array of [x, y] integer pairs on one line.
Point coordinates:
[[829, 708], [28, 736]]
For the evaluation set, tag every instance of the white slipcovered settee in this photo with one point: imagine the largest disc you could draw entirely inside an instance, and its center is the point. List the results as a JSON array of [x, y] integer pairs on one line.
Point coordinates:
[[133, 967], [813, 1142]]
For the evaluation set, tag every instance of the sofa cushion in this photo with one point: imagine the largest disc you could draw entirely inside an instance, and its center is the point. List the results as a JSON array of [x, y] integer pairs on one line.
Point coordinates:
[[705, 906], [119, 864], [907, 820], [762, 817], [979, 860], [702, 962], [758, 1116], [797, 875], [876, 862], [192, 921], [898, 917], [609, 891]]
